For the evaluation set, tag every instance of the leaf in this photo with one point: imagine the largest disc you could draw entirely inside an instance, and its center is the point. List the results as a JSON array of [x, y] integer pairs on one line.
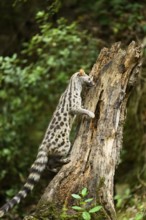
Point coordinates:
[[119, 202], [78, 208], [76, 196], [89, 200], [86, 216], [139, 216], [95, 209], [84, 192]]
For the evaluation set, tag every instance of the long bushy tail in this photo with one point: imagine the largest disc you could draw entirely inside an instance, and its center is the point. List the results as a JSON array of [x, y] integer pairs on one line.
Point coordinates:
[[34, 176]]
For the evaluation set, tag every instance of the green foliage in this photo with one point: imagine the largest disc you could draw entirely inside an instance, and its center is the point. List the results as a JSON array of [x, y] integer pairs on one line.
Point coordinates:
[[121, 199], [85, 206], [129, 206], [73, 47], [31, 83], [110, 17]]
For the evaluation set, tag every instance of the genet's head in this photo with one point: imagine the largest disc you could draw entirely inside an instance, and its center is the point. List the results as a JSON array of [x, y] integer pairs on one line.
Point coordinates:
[[85, 79]]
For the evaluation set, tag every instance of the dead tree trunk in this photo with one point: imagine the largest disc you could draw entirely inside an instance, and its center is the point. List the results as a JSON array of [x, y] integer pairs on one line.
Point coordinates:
[[96, 150]]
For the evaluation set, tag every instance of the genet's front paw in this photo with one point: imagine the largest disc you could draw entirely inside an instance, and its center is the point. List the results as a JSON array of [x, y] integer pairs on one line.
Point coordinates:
[[91, 115]]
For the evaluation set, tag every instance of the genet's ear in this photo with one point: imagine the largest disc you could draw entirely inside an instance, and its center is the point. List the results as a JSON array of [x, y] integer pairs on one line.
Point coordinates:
[[81, 72]]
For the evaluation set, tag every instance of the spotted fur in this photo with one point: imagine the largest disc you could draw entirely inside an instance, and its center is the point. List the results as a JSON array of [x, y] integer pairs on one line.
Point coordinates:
[[56, 145]]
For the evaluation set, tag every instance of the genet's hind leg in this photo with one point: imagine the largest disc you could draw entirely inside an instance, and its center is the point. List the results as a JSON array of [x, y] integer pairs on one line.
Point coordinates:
[[59, 157], [63, 160], [63, 153], [54, 170], [56, 162]]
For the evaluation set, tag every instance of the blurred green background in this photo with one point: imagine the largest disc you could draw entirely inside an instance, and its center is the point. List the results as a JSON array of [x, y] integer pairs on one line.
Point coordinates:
[[42, 44]]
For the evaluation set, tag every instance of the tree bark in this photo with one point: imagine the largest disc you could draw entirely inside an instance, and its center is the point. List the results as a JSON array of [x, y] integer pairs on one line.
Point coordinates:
[[96, 149]]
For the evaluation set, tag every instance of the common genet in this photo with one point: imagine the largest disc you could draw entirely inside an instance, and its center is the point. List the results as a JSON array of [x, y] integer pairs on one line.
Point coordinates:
[[55, 147]]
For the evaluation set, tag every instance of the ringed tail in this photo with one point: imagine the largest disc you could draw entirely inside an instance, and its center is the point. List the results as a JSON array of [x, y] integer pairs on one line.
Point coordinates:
[[35, 172]]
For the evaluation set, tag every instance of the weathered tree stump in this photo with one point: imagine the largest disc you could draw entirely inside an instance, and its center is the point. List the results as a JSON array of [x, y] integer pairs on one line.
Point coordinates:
[[96, 150]]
